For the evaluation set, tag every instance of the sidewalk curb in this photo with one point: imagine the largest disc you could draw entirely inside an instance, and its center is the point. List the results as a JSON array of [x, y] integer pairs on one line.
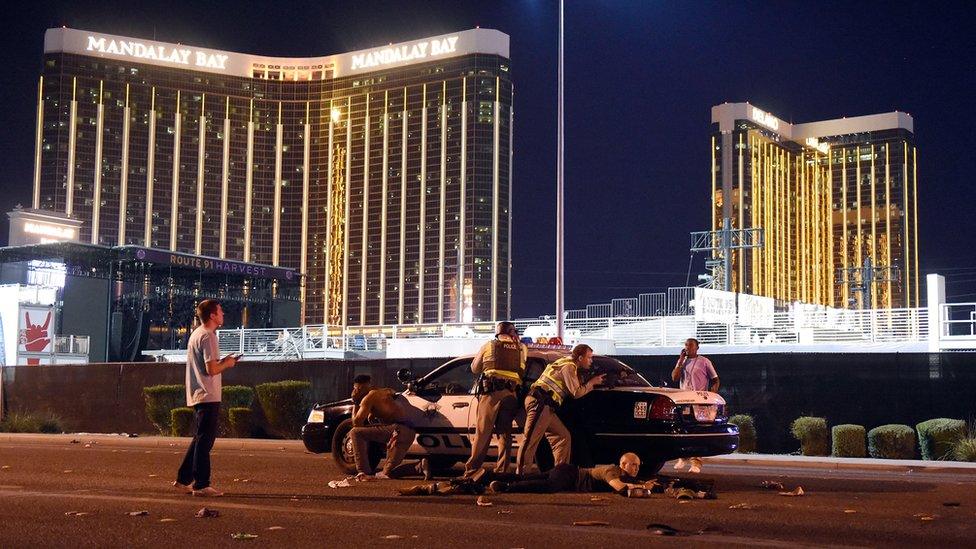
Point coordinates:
[[122, 440], [827, 462], [775, 460]]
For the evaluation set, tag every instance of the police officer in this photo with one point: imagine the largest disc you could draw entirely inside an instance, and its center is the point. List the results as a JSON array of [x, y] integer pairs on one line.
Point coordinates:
[[501, 363], [558, 382]]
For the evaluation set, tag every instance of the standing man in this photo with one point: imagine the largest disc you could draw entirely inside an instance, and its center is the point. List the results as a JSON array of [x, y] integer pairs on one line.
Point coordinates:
[[393, 430], [501, 363], [695, 373], [203, 384], [558, 382]]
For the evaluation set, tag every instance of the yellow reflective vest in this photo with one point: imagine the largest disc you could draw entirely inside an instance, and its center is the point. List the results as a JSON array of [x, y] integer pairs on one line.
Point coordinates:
[[552, 378]]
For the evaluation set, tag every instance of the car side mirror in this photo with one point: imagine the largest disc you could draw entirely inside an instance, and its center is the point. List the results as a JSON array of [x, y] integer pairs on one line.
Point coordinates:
[[405, 375]]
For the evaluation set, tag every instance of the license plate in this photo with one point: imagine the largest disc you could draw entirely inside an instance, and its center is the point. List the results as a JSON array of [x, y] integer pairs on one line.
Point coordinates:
[[640, 410], [705, 413]]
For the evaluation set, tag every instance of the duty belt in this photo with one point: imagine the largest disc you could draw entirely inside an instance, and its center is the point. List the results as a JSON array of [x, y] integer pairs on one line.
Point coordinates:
[[544, 395], [490, 384]]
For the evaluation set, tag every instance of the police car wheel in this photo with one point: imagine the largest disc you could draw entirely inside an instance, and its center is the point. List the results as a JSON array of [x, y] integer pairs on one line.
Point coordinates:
[[649, 468], [342, 450]]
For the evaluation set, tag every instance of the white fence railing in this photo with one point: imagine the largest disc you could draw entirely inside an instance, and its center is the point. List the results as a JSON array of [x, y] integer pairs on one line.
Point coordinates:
[[958, 321], [802, 327]]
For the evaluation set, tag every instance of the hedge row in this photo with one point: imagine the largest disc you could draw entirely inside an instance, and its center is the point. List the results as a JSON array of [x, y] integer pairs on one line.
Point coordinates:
[[938, 439], [284, 404]]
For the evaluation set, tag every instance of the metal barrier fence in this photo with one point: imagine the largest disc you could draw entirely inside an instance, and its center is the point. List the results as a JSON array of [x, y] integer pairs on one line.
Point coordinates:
[[958, 321], [804, 327]]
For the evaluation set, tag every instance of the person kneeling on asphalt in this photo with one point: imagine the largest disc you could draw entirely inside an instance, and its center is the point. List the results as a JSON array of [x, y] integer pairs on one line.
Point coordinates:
[[567, 477], [558, 382], [380, 417]]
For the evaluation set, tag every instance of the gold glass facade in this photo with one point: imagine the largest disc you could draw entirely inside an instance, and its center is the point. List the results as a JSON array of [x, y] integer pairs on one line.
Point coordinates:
[[388, 188], [825, 205]]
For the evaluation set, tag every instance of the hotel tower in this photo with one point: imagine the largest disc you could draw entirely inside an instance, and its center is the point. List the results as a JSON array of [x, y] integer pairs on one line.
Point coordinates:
[[383, 175]]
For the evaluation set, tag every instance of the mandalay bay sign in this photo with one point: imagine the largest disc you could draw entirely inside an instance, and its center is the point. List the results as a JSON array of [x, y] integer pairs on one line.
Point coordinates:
[[166, 54], [408, 52]]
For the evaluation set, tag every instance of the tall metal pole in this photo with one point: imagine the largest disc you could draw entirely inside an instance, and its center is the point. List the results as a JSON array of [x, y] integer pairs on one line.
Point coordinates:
[[560, 291]]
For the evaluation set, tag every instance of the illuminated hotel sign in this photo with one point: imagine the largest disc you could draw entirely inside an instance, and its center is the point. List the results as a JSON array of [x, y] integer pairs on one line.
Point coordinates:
[[166, 54], [29, 226], [483, 41], [48, 232], [405, 53], [763, 118]]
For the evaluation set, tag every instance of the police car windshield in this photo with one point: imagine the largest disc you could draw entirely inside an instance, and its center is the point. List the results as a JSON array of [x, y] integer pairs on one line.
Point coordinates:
[[617, 373]]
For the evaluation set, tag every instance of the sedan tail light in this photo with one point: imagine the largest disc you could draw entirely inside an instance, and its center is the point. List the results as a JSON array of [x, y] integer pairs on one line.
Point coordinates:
[[662, 408]]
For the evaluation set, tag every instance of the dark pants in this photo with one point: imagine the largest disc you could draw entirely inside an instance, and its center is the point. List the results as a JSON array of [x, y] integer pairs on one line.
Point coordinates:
[[561, 478], [196, 463]]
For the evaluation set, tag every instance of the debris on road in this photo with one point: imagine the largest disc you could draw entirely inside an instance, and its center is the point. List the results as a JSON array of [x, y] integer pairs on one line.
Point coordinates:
[[772, 485], [590, 523], [924, 516], [167, 520], [243, 535], [344, 483], [599, 498], [662, 529], [505, 512], [68, 471], [5, 467], [797, 492], [482, 501], [153, 475], [207, 513], [850, 511], [276, 527], [393, 536], [75, 441], [137, 513], [746, 506], [951, 504], [76, 513]]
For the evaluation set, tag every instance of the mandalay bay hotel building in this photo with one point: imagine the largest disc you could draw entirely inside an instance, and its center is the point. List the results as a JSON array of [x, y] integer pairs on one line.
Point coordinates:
[[383, 175], [829, 195]]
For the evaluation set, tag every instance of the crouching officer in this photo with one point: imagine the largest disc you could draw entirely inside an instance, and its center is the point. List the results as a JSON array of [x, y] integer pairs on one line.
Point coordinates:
[[501, 363], [558, 382]]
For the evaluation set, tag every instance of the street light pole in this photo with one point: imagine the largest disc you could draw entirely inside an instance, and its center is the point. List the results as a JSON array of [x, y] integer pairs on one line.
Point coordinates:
[[560, 293]]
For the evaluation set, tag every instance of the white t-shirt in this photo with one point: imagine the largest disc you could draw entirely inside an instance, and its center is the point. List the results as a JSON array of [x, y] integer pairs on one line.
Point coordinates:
[[200, 386]]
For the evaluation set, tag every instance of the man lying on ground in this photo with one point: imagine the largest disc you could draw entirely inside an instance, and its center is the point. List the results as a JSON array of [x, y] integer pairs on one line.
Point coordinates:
[[567, 477]]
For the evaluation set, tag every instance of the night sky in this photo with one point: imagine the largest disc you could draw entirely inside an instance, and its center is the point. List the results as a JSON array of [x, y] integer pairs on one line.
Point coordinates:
[[641, 78]]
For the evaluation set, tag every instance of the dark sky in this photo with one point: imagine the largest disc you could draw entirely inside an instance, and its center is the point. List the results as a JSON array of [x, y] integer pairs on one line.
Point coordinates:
[[640, 80]]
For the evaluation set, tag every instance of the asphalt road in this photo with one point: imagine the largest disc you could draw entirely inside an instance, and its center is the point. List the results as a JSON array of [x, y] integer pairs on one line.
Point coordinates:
[[279, 493]]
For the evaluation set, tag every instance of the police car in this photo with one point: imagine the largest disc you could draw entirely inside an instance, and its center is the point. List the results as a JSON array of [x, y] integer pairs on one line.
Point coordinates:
[[624, 414]]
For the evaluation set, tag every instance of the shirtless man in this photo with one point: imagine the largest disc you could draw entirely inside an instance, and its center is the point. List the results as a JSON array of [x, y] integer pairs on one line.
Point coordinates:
[[381, 418], [567, 477]]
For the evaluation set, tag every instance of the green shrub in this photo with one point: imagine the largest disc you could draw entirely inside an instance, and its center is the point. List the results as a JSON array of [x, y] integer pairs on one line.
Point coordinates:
[[160, 399], [285, 405], [848, 441], [937, 437], [233, 396], [747, 433], [812, 434], [28, 422], [965, 450], [237, 396], [892, 442], [181, 421], [241, 421]]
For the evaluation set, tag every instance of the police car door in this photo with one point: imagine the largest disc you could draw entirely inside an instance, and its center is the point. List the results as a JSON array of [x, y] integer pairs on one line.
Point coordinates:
[[442, 404]]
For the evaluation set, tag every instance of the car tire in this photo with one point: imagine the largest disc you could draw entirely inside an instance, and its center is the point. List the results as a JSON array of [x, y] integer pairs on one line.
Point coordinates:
[[440, 464], [342, 451], [650, 468]]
